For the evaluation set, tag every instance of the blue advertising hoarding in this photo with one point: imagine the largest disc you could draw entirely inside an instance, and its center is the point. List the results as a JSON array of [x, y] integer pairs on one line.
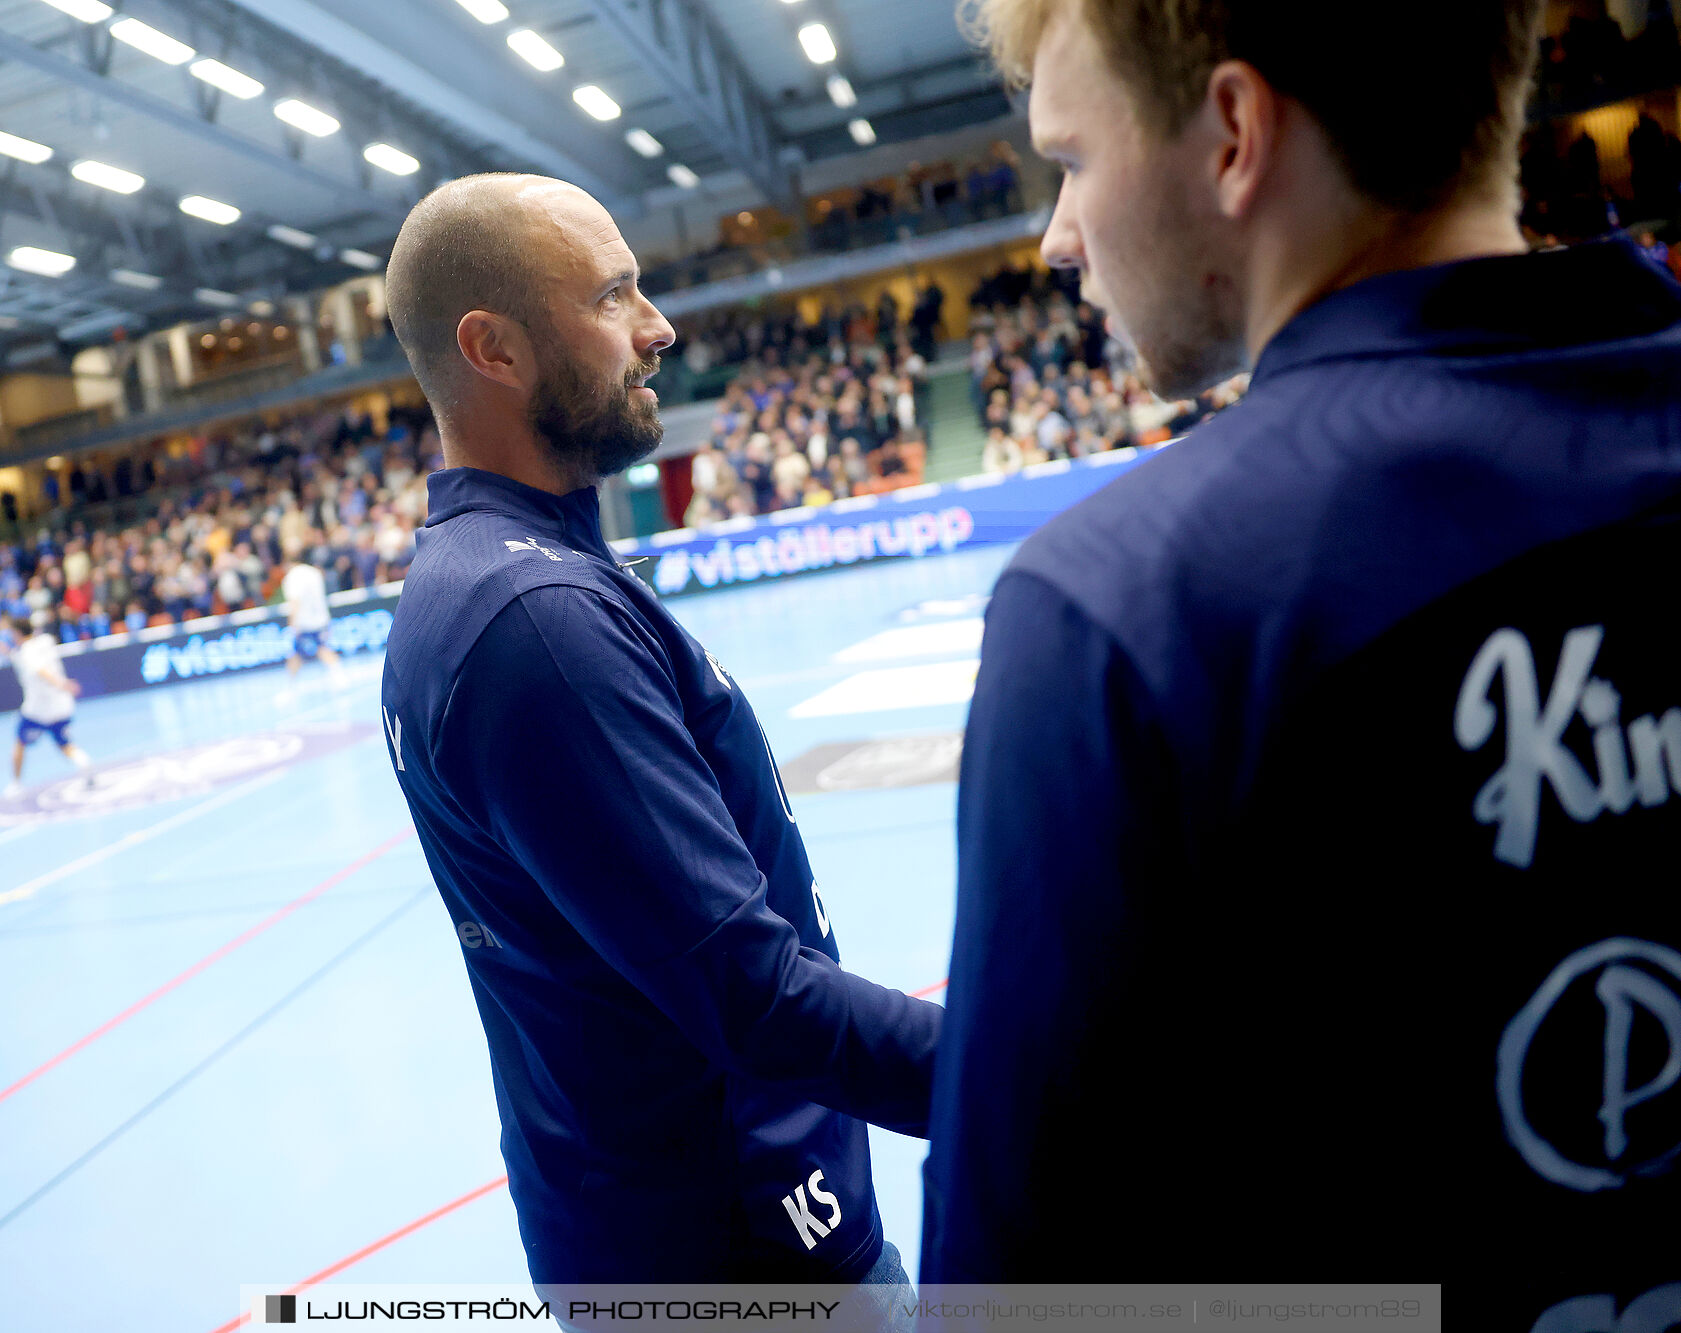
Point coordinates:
[[912, 524], [213, 646]]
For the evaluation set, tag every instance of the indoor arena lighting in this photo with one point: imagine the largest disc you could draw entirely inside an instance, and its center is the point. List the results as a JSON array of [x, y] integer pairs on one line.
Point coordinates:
[[596, 102], [681, 175], [644, 143], [305, 117], [218, 75], [158, 45], [531, 48], [819, 46], [840, 91], [300, 240], [89, 11], [25, 150], [361, 259], [863, 133], [394, 160], [211, 210], [107, 177], [48, 263], [146, 282], [215, 296], [485, 11]]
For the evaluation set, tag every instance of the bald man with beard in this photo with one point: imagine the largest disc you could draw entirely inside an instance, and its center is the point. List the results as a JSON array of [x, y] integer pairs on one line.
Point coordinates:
[[682, 1068]]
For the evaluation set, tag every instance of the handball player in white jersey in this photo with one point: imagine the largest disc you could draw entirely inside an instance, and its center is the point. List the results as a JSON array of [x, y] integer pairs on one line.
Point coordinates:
[[305, 590], [49, 696]]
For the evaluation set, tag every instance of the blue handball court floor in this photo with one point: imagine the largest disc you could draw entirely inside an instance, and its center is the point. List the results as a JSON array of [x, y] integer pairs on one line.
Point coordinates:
[[237, 1043]]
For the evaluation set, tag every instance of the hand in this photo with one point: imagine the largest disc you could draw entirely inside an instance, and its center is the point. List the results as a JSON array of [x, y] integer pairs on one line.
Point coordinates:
[[73, 687]]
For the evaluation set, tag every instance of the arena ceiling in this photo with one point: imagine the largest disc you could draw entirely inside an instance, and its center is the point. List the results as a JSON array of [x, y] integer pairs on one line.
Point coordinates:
[[186, 96]]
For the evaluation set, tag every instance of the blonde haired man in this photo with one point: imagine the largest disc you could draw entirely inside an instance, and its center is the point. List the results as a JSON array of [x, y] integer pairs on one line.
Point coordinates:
[[1322, 771]]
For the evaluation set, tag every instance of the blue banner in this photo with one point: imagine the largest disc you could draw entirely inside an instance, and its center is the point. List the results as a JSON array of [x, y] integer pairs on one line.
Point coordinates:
[[910, 524], [212, 646]]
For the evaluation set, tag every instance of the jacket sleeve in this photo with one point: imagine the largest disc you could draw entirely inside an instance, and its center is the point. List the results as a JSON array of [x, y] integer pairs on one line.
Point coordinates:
[[565, 740], [1060, 816]]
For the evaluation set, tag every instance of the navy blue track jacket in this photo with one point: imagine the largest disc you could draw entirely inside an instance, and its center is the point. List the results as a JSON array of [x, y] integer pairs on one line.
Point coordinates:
[[682, 1068], [1320, 820]]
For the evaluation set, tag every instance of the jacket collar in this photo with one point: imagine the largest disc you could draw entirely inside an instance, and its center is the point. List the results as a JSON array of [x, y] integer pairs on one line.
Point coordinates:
[[1597, 292], [577, 514]]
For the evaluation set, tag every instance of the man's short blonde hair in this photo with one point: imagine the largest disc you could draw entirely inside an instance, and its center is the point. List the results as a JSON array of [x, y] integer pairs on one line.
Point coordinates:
[[1419, 104]]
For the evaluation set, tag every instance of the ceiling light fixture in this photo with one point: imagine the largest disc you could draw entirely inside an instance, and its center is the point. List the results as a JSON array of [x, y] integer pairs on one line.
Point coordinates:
[[146, 282], [301, 240], [485, 11], [158, 45], [48, 263], [394, 160], [681, 175], [819, 46], [840, 91], [107, 177], [305, 117], [863, 133], [25, 150], [89, 11], [644, 143], [211, 210], [596, 102], [218, 75], [534, 50]]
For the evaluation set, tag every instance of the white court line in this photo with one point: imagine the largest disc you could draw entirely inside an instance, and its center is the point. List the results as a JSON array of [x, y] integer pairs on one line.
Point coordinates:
[[20, 830], [34, 886], [893, 687], [940, 636]]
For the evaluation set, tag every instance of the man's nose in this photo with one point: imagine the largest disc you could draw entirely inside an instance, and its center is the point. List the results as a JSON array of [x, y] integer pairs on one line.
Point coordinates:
[[1061, 246], [658, 334]]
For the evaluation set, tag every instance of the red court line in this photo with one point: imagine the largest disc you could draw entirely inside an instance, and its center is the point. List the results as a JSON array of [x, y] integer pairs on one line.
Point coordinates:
[[337, 877], [361, 1254], [929, 990]]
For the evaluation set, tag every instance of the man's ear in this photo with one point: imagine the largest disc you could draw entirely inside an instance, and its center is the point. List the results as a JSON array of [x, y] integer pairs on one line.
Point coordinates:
[[497, 348], [1242, 111]]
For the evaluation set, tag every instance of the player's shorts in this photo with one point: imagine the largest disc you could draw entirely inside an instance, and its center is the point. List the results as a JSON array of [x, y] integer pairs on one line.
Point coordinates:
[[30, 732], [307, 643]]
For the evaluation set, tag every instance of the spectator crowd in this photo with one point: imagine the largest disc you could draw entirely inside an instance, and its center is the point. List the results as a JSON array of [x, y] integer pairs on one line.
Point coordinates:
[[1592, 61], [231, 516], [735, 335], [1564, 197], [825, 426], [1049, 382]]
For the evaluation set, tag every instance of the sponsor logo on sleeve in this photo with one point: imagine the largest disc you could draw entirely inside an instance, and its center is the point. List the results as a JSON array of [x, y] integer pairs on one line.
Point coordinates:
[[532, 544]]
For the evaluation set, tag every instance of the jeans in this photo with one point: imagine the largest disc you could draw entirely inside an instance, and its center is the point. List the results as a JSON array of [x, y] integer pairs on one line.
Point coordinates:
[[888, 1288]]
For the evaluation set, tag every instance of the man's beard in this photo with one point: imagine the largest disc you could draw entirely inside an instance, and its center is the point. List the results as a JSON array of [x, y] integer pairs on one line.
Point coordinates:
[[592, 423]]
